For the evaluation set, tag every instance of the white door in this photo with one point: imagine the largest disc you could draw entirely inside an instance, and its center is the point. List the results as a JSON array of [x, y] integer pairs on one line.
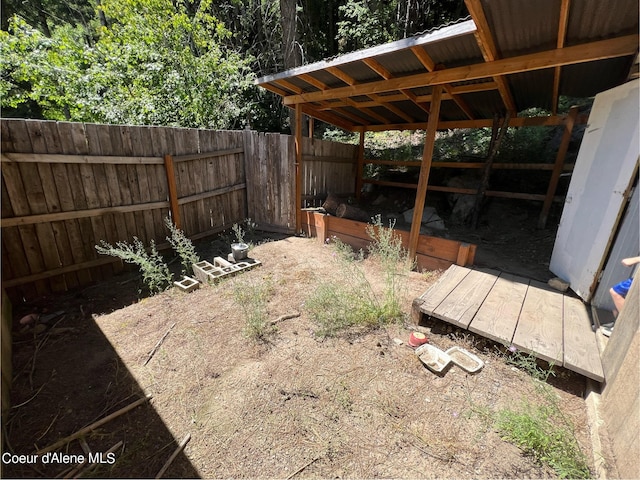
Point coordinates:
[[602, 175]]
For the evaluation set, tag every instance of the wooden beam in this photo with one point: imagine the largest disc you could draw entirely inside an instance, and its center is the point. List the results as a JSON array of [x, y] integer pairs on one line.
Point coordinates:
[[496, 140], [485, 41], [430, 65], [173, 191], [360, 171], [298, 164], [328, 117], [427, 158], [386, 74], [86, 159], [600, 50], [94, 212], [558, 167], [201, 156], [562, 33], [481, 123]]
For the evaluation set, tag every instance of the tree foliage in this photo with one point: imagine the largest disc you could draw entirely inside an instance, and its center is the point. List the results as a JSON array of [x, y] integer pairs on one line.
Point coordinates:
[[186, 63], [154, 62]]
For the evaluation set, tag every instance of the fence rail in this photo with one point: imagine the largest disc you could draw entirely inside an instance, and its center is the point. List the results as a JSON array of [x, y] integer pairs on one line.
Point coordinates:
[[66, 186]]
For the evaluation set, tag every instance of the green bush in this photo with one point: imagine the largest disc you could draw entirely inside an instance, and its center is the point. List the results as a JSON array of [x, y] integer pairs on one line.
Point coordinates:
[[183, 246], [349, 299], [251, 296], [155, 272]]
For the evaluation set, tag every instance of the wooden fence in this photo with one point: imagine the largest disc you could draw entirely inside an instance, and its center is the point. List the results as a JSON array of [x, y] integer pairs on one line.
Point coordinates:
[[66, 186]]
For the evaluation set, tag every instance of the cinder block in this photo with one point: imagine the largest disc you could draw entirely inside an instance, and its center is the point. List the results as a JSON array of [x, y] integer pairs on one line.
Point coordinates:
[[221, 262], [187, 284], [206, 272]]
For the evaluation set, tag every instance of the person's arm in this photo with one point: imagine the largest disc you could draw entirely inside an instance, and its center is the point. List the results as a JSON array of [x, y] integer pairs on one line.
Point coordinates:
[[627, 262]]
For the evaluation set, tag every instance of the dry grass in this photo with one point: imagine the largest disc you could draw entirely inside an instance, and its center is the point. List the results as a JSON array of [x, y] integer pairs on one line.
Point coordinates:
[[358, 405]]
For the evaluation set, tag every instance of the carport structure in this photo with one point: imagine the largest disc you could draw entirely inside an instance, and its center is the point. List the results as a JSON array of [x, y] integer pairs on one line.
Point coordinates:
[[479, 72]]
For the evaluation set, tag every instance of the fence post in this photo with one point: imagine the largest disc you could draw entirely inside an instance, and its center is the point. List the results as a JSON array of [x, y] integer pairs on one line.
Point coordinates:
[[173, 190]]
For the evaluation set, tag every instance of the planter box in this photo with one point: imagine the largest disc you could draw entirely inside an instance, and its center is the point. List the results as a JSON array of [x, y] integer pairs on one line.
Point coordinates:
[[433, 253]]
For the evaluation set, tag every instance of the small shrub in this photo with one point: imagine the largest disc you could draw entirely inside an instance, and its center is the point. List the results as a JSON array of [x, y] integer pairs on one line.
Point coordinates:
[[528, 363], [182, 245], [252, 297], [543, 432], [155, 272], [386, 248], [349, 300], [238, 232]]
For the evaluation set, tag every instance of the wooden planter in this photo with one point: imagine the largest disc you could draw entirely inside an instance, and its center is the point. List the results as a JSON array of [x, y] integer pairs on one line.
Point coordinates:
[[433, 253]]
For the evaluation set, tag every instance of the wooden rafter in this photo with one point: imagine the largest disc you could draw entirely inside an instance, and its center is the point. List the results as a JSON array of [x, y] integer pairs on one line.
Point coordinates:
[[562, 33], [603, 49], [352, 82], [386, 74], [489, 51], [430, 65]]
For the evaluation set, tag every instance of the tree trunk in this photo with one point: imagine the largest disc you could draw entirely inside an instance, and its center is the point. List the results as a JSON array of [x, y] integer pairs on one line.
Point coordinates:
[[290, 45], [331, 203]]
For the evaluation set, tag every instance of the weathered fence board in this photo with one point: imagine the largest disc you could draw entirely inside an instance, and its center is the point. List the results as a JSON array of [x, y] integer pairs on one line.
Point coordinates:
[[67, 186]]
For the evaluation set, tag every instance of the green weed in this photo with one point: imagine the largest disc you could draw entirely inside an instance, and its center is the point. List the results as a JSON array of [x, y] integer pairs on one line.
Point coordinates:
[[182, 245], [252, 297], [542, 431], [528, 363], [350, 300], [155, 272]]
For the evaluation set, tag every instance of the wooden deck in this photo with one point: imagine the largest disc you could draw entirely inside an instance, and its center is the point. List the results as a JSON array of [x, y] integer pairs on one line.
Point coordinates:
[[516, 311]]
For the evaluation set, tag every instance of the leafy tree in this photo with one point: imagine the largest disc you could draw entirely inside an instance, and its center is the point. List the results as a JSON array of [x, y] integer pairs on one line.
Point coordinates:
[[153, 62]]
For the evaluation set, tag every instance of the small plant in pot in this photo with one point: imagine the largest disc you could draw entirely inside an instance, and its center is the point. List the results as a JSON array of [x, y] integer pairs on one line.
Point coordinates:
[[239, 249]]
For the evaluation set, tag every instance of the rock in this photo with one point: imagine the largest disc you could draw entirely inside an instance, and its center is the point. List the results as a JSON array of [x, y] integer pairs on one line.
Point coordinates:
[[558, 284], [462, 205], [380, 200], [29, 319], [430, 218]]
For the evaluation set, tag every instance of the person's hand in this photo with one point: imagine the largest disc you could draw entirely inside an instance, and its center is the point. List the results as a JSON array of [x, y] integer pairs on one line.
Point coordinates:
[[627, 262]]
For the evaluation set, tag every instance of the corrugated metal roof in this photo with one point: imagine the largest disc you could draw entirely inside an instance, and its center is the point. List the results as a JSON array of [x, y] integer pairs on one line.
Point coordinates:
[[390, 86]]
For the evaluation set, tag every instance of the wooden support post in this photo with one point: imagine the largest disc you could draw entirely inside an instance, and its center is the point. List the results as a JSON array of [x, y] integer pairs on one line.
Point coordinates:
[[298, 164], [496, 140], [558, 166], [360, 171], [427, 158], [311, 126], [173, 190]]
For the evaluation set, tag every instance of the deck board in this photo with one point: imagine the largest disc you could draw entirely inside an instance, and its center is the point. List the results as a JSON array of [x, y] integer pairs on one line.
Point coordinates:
[[443, 287], [580, 347], [497, 318], [461, 306], [511, 309], [539, 328]]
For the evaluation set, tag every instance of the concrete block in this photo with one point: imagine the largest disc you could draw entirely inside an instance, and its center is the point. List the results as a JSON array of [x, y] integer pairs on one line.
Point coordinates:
[[206, 273], [187, 284]]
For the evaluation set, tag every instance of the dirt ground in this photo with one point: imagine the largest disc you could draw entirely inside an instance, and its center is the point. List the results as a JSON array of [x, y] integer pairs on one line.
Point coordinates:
[[358, 405]]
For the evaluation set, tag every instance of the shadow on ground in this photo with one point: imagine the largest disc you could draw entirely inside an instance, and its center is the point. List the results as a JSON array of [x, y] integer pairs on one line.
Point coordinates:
[[66, 375]]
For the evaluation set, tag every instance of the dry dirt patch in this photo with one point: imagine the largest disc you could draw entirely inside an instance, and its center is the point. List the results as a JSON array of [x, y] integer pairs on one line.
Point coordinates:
[[359, 405]]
